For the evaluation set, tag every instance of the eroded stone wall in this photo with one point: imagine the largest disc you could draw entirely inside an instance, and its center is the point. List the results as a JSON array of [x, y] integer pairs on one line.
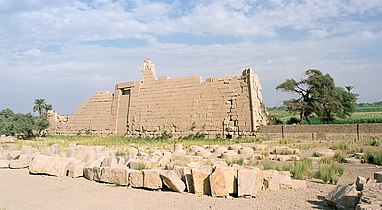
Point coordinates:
[[93, 116], [225, 107]]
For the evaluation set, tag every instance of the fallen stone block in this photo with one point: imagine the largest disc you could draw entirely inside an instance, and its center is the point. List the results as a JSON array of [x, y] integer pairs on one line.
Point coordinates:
[[75, 170], [378, 176], [285, 180], [164, 159], [247, 182], [136, 178], [20, 163], [116, 176], [4, 163], [271, 180], [360, 182], [343, 197], [109, 162], [218, 183], [55, 166], [201, 182], [353, 161], [92, 173], [372, 194], [172, 181], [152, 180]]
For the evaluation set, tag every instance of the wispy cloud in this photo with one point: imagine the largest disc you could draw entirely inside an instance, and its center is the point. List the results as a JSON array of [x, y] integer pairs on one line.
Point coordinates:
[[76, 47]]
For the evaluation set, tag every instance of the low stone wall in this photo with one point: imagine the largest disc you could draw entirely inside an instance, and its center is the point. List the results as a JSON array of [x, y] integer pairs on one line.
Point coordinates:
[[324, 132]]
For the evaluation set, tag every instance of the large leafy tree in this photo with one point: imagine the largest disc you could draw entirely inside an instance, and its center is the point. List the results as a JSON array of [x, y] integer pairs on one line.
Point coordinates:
[[318, 95], [12, 124]]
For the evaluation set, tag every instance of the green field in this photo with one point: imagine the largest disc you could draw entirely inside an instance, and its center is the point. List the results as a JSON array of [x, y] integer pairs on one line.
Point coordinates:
[[363, 114]]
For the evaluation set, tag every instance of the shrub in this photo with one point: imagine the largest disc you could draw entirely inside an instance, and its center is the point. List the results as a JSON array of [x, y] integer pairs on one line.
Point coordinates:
[[373, 157], [316, 154], [302, 169], [374, 142], [329, 173], [339, 157]]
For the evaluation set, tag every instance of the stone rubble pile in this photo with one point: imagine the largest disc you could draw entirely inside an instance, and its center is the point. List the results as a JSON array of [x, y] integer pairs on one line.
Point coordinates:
[[362, 195], [7, 139], [202, 170]]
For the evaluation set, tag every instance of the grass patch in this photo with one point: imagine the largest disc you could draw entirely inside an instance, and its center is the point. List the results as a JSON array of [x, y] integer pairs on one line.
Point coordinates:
[[373, 157], [329, 173], [235, 161], [316, 154], [300, 169], [339, 157], [375, 142]]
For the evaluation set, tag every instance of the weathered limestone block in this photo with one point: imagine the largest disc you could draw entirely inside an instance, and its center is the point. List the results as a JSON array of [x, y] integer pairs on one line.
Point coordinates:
[[172, 181], [247, 182], [4, 163], [246, 152], [83, 153], [92, 173], [23, 162], [164, 159], [218, 183], [151, 179], [132, 151], [117, 176], [55, 166], [28, 150], [378, 176], [201, 181], [360, 182], [75, 170], [141, 164], [285, 180], [372, 195], [109, 162], [136, 178], [14, 155], [325, 153], [271, 180], [343, 197]]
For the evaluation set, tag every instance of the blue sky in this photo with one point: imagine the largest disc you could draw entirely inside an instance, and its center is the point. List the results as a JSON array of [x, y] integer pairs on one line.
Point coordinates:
[[66, 50]]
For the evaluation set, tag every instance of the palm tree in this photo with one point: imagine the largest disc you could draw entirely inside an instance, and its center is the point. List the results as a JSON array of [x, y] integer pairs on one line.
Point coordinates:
[[47, 108], [39, 106]]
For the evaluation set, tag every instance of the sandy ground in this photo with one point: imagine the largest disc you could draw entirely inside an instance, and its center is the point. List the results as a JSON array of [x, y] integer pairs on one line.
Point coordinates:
[[19, 190]]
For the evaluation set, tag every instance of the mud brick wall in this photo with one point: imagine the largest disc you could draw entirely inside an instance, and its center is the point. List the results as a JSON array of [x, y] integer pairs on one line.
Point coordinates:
[[331, 132], [226, 107]]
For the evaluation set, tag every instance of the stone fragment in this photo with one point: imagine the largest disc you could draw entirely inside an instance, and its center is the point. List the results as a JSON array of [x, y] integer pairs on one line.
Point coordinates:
[[20, 163], [247, 182], [353, 161], [75, 170], [218, 183], [109, 162], [92, 173], [116, 176], [136, 178], [378, 176], [271, 180], [201, 182], [371, 195], [285, 180], [343, 197], [4, 163], [360, 182], [151, 179], [164, 159], [172, 181], [55, 166]]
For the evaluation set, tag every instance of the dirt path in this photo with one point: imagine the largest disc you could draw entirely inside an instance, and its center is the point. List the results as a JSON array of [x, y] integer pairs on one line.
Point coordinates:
[[19, 190]]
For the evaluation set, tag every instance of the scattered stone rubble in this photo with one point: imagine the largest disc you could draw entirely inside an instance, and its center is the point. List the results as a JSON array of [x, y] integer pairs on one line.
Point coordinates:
[[362, 195], [202, 170]]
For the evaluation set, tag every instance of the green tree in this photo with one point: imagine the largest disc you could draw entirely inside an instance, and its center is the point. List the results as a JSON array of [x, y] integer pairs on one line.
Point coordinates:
[[318, 95], [42, 108], [12, 124], [39, 106]]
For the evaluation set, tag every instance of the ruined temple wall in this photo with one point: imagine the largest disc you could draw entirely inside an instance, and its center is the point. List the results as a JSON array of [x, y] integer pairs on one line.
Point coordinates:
[[94, 116], [187, 105]]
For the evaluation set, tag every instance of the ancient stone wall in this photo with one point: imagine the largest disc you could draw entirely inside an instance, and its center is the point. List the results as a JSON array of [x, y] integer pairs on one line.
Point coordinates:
[[93, 116], [226, 107], [324, 132]]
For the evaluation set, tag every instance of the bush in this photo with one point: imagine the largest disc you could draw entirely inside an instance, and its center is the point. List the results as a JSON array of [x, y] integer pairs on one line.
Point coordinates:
[[302, 169], [374, 142], [12, 124], [329, 173], [373, 157], [339, 157], [316, 154]]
